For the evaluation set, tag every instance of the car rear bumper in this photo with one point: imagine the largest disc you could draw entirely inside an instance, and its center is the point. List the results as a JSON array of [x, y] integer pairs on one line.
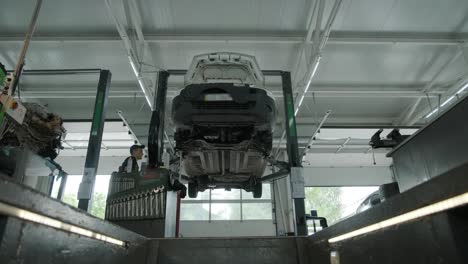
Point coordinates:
[[249, 106]]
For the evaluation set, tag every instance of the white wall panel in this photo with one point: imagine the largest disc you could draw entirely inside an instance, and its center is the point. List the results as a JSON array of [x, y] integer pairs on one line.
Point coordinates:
[[227, 228], [347, 176], [75, 165]]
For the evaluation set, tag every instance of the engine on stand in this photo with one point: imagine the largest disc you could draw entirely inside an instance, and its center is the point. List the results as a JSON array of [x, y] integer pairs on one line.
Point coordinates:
[[28, 124], [30, 139], [40, 131]]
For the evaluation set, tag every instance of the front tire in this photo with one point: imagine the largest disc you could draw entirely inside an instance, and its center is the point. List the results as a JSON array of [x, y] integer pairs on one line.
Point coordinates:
[[193, 189], [257, 190]]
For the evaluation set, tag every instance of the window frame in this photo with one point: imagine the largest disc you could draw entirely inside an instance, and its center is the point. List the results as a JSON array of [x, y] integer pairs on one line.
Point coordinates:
[[343, 211], [239, 201]]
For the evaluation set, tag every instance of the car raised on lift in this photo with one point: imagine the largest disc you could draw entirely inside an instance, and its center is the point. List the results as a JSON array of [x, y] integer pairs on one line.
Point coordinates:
[[224, 121]]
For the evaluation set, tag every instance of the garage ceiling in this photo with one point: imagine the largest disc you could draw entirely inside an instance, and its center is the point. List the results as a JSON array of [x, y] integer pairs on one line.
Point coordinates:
[[380, 57]]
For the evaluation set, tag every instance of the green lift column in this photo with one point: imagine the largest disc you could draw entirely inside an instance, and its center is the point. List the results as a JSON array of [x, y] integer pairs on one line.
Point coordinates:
[[156, 129], [3, 75], [95, 138], [297, 179]]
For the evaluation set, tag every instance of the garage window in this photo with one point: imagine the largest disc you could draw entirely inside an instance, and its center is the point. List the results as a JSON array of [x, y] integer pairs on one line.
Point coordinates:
[[336, 203], [234, 205], [99, 196]]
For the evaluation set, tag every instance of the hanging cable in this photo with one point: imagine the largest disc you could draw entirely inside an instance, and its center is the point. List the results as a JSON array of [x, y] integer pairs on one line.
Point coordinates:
[[373, 157]]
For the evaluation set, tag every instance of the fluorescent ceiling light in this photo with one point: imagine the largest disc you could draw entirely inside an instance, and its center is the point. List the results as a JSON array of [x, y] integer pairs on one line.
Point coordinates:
[[447, 101], [299, 105], [314, 70], [140, 81], [442, 105], [307, 86], [437, 207], [9, 210], [134, 68], [142, 86], [432, 112], [462, 89]]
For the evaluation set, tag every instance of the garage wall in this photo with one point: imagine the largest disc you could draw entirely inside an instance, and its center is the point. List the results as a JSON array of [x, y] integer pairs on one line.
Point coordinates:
[[347, 176], [347, 169], [227, 228]]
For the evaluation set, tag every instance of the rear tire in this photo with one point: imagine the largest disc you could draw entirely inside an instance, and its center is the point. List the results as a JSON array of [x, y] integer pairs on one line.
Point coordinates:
[[257, 190], [193, 189]]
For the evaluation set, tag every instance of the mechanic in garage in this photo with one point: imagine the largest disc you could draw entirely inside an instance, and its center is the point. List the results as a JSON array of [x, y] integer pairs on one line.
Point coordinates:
[[130, 164]]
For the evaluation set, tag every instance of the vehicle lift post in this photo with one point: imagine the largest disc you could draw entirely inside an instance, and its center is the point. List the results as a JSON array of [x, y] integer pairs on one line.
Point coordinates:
[[156, 151], [156, 129], [95, 138], [294, 159]]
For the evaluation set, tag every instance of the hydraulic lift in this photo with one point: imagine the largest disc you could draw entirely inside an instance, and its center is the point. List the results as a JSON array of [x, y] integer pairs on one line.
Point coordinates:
[[294, 162], [140, 204]]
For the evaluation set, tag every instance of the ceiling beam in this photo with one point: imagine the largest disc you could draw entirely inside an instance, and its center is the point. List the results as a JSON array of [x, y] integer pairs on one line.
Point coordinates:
[[410, 111], [293, 37], [319, 42], [312, 60], [305, 44], [452, 95], [318, 92], [129, 28], [349, 141], [335, 123]]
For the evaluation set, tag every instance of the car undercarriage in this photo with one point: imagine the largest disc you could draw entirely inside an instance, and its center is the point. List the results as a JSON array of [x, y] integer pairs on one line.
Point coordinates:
[[224, 132]]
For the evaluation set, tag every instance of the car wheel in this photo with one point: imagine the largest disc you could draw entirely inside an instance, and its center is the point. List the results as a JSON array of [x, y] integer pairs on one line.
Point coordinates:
[[257, 190], [193, 189]]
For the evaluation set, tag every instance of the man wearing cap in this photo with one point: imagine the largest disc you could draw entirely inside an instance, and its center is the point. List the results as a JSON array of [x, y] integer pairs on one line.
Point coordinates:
[[130, 164]]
